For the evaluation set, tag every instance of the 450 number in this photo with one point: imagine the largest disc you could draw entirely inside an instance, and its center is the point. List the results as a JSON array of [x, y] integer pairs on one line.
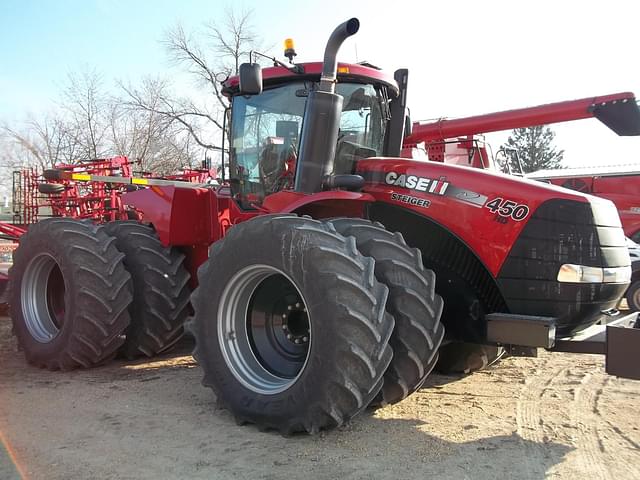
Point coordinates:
[[508, 208]]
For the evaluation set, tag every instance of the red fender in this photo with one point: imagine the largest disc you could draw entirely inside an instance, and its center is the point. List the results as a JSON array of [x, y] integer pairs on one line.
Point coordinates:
[[333, 203]]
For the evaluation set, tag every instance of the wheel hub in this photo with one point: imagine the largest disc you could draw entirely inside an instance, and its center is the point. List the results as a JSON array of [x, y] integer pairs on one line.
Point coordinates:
[[264, 329], [295, 323]]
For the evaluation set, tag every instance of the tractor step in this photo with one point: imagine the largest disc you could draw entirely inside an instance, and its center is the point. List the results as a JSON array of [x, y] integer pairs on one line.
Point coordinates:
[[521, 330]]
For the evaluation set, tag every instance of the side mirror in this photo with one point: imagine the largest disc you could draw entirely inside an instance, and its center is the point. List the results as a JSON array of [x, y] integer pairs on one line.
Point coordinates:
[[250, 79], [408, 126]]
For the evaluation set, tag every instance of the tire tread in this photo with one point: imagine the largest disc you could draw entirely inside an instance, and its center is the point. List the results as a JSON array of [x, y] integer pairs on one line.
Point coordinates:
[[412, 302], [91, 342], [161, 292]]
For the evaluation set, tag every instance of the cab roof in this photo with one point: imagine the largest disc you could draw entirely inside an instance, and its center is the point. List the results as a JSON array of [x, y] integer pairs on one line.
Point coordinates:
[[347, 72]]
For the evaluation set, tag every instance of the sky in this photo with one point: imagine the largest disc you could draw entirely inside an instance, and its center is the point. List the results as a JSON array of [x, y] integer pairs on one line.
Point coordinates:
[[464, 57]]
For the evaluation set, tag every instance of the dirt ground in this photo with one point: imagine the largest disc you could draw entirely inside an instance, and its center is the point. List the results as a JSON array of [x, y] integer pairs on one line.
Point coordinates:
[[556, 416]]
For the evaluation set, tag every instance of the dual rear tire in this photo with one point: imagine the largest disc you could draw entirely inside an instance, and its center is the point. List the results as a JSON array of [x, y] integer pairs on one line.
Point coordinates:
[[80, 294], [412, 302], [297, 322], [160, 288]]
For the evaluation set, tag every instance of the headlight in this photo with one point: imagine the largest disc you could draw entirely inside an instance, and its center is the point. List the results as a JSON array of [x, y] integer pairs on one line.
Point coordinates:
[[570, 273]]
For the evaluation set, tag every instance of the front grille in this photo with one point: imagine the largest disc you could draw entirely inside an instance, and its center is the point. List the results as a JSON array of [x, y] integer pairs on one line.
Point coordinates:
[[564, 231]]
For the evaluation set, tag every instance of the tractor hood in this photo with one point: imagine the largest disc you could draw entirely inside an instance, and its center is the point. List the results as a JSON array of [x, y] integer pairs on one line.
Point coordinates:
[[496, 207]]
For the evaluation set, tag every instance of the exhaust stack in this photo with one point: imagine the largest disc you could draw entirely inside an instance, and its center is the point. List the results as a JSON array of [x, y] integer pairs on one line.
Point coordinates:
[[330, 62], [322, 118]]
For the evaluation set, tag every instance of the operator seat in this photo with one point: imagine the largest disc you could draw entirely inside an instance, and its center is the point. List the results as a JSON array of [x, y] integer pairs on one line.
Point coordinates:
[[271, 167]]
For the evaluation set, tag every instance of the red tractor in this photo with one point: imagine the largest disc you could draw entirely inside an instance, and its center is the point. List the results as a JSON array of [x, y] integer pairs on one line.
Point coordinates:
[[314, 264]]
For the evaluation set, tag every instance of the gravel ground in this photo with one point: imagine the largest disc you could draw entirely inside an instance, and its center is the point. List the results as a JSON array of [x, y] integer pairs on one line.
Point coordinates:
[[556, 416]]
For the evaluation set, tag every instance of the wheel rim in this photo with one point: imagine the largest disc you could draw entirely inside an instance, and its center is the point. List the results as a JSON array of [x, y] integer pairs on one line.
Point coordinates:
[[635, 300], [264, 329], [42, 297]]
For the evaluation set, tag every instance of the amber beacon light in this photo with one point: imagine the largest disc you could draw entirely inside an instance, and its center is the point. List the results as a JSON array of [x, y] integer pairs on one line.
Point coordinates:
[[289, 49]]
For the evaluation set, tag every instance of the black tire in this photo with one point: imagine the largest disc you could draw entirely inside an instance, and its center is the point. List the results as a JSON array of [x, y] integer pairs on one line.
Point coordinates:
[[412, 302], [458, 356], [50, 188], [346, 353], [4, 291], [52, 174], [69, 294], [4, 296], [160, 289], [462, 357], [633, 296], [133, 215]]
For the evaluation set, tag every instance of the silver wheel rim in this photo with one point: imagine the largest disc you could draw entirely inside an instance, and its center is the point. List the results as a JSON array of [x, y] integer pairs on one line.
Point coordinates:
[[237, 348], [635, 298], [42, 297]]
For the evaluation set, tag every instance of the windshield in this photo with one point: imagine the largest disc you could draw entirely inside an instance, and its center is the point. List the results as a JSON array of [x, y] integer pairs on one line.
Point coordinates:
[[265, 130]]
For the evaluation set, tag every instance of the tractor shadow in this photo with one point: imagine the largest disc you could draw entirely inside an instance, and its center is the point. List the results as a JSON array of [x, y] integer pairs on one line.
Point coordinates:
[[407, 447], [370, 447], [142, 369]]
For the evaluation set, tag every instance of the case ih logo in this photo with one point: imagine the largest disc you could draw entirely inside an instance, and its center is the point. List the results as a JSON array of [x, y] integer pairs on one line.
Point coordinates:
[[420, 184], [429, 185]]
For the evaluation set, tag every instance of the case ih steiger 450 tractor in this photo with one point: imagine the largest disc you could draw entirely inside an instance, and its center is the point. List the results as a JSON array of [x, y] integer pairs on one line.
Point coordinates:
[[314, 263]]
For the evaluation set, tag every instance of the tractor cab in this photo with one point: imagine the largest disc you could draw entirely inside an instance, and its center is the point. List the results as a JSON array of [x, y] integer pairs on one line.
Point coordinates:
[[266, 127]]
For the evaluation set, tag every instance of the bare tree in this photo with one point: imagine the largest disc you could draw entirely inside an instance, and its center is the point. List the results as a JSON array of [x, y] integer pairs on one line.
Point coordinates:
[[43, 142], [91, 125], [184, 112], [203, 120], [141, 129], [147, 123], [236, 38], [187, 53], [74, 131], [12, 157], [132, 131], [86, 103]]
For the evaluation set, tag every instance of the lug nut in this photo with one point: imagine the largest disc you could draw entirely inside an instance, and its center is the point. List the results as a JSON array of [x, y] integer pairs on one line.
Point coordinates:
[[284, 326], [289, 307], [289, 336], [305, 339], [284, 315], [297, 305], [297, 340]]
